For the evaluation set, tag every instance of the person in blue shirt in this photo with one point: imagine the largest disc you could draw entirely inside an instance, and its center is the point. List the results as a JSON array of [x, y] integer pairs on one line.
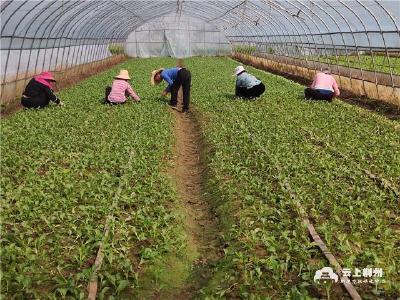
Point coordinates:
[[247, 86], [175, 77]]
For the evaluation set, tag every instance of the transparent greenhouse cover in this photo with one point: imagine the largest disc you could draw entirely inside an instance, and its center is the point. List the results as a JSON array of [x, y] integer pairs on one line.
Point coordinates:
[[47, 33], [177, 37], [267, 18]]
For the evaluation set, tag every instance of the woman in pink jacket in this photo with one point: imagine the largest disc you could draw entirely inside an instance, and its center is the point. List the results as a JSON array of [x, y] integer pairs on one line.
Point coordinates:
[[324, 87], [120, 89]]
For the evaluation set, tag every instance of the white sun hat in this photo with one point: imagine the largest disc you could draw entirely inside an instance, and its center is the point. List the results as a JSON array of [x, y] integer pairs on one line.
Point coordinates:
[[238, 70], [123, 74]]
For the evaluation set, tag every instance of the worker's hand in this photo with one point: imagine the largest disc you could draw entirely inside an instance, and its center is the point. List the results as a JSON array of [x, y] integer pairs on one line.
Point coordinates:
[[61, 103], [164, 93]]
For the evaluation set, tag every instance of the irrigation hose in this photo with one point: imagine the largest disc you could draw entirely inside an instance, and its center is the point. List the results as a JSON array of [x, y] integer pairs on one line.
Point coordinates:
[[317, 239], [93, 283]]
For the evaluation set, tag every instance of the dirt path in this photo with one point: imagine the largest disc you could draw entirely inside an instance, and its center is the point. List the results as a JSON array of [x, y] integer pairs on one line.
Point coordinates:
[[201, 224]]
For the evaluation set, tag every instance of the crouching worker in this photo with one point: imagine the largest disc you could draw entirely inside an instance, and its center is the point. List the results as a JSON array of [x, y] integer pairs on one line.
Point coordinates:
[[120, 90], [175, 77], [324, 87], [39, 92], [247, 85]]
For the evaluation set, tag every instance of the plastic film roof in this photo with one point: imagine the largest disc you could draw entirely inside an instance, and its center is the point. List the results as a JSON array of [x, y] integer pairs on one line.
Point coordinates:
[[362, 23]]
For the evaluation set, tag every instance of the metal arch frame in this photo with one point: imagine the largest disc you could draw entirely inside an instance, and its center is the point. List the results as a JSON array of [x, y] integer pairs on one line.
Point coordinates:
[[12, 38], [312, 22], [398, 32], [52, 21], [304, 25], [227, 20], [11, 15], [326, 27], [34, 36], [280, 10], [23, 39], [369, 42], [337, 25], [27, 26], [341, 34], [245, 30], [111, 28], [85, 28], [84, 32], [322, 21], [268, 20], [109, 33], [77, 19], [106, 37], [4, 5], [60, 35], [238, 15], [125, 30], [225, 17], [44, 33], [166, 12], [351, 30], [384, 44], [290, 21]]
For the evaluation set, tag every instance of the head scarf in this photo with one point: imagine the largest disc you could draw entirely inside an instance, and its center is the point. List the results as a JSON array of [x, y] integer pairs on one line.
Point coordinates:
[[45, 78]]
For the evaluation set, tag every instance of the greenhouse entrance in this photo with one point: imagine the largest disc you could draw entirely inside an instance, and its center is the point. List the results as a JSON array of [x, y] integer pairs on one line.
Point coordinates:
[[200, 149]]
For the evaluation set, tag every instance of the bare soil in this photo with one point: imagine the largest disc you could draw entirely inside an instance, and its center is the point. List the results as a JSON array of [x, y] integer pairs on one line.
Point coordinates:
[[201, 223]]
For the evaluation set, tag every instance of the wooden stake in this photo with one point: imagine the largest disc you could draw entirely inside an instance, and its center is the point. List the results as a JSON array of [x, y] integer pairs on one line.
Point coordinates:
[[317, 239]]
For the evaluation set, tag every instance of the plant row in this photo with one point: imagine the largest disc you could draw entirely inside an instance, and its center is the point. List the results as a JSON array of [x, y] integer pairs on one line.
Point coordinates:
[[340, 162]]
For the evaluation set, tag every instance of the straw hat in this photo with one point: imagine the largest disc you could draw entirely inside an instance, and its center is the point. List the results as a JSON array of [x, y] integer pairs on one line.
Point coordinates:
[[153, 74], [238, 70], [123, 74]]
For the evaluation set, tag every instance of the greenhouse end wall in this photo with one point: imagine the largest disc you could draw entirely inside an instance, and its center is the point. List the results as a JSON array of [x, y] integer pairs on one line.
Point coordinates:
[[177, 37]]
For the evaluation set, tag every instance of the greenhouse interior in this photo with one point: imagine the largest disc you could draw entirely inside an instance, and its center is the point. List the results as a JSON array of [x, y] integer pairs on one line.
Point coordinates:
[[231, 149]]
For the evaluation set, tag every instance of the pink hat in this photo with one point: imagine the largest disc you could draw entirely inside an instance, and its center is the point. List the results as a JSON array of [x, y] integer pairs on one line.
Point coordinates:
[[46, 76]]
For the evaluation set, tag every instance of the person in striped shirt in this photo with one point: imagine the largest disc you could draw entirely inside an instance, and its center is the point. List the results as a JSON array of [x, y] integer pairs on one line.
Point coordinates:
[[120, 90]]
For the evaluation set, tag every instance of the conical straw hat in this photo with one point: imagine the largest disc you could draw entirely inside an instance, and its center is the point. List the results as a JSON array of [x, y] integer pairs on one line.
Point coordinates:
[[123, 74], [153, 74]]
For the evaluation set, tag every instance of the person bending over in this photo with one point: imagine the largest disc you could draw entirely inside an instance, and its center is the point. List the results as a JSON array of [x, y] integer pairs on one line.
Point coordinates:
[[39, 92], [175, 77], [247, 85], [323, 87], [120, 90]]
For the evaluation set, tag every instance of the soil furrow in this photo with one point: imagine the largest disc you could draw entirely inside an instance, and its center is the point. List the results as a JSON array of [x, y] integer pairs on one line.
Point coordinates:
[[201, 223]]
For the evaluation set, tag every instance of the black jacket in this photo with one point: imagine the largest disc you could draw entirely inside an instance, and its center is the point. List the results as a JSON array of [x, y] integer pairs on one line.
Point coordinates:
[[37, 90]]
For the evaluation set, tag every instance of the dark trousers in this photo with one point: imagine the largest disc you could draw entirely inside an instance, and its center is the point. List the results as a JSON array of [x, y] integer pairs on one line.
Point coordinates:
[[107, 92], [34, 102], [251, 93], [184, 79], [310, 93]]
